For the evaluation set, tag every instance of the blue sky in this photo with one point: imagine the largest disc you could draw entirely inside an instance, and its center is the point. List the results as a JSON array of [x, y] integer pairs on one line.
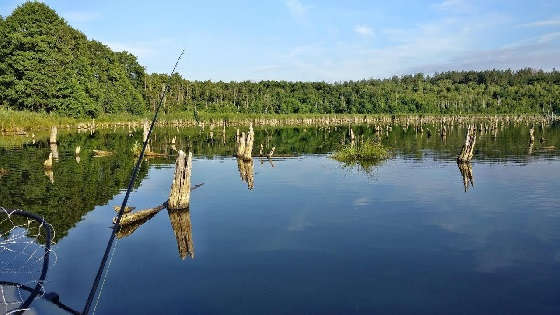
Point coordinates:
[[311, 40]]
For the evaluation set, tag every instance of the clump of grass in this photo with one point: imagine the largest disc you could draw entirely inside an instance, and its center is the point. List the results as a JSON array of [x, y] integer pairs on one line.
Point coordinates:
[[368, 151], [365, 156]]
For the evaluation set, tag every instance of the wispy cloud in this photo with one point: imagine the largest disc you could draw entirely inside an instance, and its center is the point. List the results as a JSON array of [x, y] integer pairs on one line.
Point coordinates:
[[545, 38], [550, 22], [363, 30], [452, 5], [297, 9]]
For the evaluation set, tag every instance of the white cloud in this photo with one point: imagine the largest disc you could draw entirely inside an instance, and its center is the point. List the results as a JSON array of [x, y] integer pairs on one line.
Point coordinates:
[[550, 22], [296, 8], [363, 30]]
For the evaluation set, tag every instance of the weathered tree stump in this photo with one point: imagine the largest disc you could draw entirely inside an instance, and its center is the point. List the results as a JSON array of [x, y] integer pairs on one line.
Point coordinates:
[[245, 144], [271, 153], [145, 135], [54, 150], [52, 138], [532, 135], [179, 196], [468, 148]]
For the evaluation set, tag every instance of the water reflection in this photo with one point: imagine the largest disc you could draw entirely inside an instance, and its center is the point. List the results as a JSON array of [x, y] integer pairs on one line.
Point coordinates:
[[466, 173], [181, 224], [246, 172]]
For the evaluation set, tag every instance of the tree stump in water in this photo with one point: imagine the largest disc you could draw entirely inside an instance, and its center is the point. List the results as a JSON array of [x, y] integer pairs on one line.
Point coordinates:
[[468, 148], [145, 135], [532, 135], [245, 144], [179, 196], [52, 138]]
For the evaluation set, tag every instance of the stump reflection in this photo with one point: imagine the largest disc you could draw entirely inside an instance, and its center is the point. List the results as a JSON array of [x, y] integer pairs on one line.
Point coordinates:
[[466, 173], [181, 225], [246, 172]]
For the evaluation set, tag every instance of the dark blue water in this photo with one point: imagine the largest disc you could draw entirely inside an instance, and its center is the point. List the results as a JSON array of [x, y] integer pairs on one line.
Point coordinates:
[[318, 238]]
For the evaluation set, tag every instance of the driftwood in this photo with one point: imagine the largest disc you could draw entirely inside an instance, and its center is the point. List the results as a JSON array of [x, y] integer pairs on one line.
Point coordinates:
[[179, 196], [127, 209], [468, 148], [132, 217], [182, 228], [101, 153], [466, 173]]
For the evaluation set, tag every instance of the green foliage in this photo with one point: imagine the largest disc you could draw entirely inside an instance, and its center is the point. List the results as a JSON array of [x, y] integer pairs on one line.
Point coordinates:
[[367, 151], [491, 92], [47, 66]]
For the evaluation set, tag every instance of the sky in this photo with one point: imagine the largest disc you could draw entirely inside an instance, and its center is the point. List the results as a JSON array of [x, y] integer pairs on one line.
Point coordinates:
[[320, 40]]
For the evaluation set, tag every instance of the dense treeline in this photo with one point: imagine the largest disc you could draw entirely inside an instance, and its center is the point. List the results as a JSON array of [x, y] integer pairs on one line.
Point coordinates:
[[45, 65], [493, 91]]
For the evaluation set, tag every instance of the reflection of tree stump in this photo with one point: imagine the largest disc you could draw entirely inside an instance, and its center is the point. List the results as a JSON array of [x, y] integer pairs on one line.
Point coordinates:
[[181, 225], [246, 172], [468, 148], [466, 173], [179, 196]]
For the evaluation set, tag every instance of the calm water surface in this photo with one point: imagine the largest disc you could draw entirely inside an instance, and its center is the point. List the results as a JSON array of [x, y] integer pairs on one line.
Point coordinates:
[[312, 236]]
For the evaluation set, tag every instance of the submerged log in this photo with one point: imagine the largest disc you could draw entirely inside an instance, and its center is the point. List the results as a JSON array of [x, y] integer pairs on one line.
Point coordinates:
[[179, 196], [52, 138], [129, 218], [468, 148], [181, 224], [127, 209]]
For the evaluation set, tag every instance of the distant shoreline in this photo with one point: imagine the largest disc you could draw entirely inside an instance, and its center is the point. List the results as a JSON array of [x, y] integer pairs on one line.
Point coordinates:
[[22, 122]]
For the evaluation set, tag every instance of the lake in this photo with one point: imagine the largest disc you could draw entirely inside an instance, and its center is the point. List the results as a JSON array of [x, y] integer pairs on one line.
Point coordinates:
[[298, 233]]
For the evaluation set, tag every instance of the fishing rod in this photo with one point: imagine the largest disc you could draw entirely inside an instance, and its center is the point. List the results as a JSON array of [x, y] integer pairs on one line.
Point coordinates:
[[125, 200]]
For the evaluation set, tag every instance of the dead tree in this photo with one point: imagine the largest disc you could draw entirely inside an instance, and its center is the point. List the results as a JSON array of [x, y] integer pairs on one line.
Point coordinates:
[[245, 144], [179, 196], [52, 138], [468, 148]]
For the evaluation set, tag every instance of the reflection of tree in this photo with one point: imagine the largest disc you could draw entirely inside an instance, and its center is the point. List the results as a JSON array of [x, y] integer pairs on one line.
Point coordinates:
[[246, 172], [78, 188], [181, 225], [466, 173]]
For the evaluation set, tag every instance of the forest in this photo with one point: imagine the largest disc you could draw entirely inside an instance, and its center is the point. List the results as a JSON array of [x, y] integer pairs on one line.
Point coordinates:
[[48, 66]]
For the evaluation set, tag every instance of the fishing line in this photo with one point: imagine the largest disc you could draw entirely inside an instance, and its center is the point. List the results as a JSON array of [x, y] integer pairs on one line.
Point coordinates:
[[125, 200]]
